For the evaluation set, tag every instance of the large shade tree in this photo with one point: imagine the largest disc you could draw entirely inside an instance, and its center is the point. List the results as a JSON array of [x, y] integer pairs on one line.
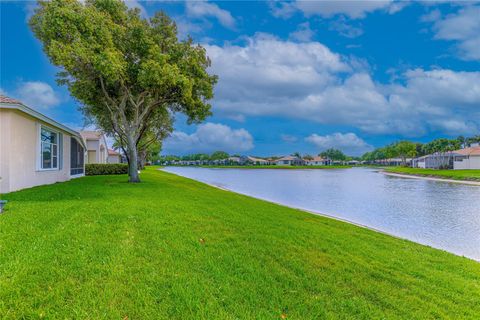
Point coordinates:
[[127, 72]]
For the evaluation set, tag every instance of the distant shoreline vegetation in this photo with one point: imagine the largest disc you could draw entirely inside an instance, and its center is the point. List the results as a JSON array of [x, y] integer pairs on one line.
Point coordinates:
[[461, 175], [398, 153], [256, 167], [330, 158]]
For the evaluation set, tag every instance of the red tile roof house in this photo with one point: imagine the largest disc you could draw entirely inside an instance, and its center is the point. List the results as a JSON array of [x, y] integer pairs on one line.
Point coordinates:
[[34, 149]]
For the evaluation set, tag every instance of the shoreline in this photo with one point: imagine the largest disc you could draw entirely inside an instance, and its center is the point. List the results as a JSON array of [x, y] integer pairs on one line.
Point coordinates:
[[414, 176], [322, 214], [267, 167]]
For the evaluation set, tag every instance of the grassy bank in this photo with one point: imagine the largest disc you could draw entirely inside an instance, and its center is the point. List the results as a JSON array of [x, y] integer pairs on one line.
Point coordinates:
[[172, 248], [471, 175], [277, 167]]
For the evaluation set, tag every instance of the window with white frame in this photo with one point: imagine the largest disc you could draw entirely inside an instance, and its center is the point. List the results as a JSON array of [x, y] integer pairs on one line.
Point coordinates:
[[48, 149]]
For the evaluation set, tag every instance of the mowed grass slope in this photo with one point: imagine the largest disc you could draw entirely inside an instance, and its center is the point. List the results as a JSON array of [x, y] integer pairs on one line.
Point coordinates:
[[172, 248], [473, 175]]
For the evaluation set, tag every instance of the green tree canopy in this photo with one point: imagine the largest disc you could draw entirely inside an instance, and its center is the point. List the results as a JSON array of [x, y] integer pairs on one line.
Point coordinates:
[[441, 145], [405, 149], [333, 154], [129, 73], [219, 155]]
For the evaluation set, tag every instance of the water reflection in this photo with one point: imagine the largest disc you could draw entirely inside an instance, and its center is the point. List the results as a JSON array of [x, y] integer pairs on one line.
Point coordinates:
[[439, 214]]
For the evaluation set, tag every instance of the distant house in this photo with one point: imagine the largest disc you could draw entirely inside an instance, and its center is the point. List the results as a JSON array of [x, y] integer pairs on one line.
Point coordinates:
[[97, 149], [34, 149], [233, 160], [253, 160], [419, 162], [468, 158], [114, 156], [317, 161], [438, 160], [393, 161], [290, 161]]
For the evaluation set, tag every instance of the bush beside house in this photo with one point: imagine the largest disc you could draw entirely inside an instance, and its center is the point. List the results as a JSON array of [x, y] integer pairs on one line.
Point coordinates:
[[94, 169]]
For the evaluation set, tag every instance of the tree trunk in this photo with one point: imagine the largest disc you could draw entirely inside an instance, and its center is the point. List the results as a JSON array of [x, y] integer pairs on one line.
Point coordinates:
[[132, 160], [142, 159]]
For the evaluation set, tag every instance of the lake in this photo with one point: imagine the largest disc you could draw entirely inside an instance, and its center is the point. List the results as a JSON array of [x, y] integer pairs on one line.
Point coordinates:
[[439, 214]]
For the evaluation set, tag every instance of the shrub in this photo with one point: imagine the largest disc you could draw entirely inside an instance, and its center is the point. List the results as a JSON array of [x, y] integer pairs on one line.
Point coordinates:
[[94, 169]]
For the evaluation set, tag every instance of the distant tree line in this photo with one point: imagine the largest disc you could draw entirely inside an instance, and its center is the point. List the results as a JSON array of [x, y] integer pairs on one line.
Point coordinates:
[[407, 149], [401, 149], [217, 155]]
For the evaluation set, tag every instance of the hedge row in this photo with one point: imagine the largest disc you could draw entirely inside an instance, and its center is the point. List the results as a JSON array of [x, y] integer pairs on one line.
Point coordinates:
[[107, 168]]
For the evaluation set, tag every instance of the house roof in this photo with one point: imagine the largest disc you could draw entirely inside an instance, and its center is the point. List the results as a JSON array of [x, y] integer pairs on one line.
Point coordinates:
[[5, 99], [14, 104], [112, 152], [256, 159], [95, 136], [288, 158], [91, 135], [317, 158], [471, 151]]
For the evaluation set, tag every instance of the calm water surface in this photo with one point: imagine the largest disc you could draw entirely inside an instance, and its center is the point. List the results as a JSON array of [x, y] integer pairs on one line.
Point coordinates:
[[440, 214]]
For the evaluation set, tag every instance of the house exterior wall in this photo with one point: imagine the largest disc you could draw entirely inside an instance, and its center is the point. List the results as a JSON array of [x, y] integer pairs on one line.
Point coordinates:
[[113, 159], [97, 151], [315, 163], [92, 156], [473, 162], [93, 145], [19, 153]]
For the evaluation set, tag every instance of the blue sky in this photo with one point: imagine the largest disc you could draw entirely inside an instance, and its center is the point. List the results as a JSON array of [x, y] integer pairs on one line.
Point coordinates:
[[298, 76]]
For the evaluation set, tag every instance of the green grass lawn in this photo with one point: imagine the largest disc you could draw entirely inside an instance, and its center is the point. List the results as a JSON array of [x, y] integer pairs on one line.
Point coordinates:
[[447, 174], [277, 167], [172, 248]]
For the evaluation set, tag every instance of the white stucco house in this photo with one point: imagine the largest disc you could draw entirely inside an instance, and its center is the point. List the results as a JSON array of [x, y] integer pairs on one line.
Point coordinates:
[[290, 161], [317, 161], [114, 156], [253, 160], [97, 149], [468, 158], [35, 149]]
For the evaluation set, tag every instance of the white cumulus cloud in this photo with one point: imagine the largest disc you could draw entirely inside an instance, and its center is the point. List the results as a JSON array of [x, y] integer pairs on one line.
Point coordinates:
[[203, 9], [349, 143], [462, 27], [354, 9], [304, 33], [37, 94], [271, 68], [272, 77], [209, 137]]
